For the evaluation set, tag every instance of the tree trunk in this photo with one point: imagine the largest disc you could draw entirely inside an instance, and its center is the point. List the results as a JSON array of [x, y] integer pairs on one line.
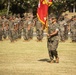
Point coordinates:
[[8, 8], [73, 8]]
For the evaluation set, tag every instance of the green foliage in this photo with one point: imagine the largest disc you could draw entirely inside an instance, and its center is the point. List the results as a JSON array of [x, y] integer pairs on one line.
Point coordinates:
[[58, 7], [2, 12], [21, 6]]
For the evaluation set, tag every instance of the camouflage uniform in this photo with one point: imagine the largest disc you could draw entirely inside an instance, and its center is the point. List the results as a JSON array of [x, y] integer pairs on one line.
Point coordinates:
[[15, 32], [61, 30], [26, 29], [6, 29], [20, 27], [66, 19], [1, 32], [39, 30], [73, 30], [31, 28], [19, 22], [53, 41], [13, 29], [30, 32]]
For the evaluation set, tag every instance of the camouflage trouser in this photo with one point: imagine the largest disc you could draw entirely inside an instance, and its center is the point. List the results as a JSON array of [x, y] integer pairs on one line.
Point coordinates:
[[1, 33], [52, 49], [39, 34], [66, 33], [19, 33], [62, 35], [25, 34], [5, 33], [73, 36], [13, 35], [30, 33], [52, 45]]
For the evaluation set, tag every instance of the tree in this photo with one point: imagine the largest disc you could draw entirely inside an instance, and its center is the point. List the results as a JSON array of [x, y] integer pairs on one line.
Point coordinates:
[[60, 6], [21, 6]]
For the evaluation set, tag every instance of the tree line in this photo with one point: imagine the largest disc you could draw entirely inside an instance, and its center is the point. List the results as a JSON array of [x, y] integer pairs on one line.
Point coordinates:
[[21, 6]]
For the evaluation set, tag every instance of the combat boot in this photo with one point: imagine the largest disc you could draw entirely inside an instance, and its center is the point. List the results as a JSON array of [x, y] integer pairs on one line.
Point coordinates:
[[57, 60]]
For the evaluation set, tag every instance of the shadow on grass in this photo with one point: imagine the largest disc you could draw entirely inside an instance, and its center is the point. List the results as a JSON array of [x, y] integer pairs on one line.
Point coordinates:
[[44, 60]]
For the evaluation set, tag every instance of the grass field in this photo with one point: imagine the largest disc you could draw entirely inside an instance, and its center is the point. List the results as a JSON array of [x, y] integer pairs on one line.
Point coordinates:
[[31, 58]]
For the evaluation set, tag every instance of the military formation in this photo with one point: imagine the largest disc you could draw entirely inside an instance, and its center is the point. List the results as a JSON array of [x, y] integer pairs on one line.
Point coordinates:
[[73, 28], [15, 27]]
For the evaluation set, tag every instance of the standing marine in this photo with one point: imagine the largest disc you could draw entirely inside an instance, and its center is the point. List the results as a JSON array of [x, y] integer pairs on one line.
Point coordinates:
[[39, 30], [73, 29], [53, 40], [1, 30]]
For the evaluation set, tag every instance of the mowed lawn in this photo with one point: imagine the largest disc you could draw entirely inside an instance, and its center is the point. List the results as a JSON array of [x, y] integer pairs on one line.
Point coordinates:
[[31, 58]]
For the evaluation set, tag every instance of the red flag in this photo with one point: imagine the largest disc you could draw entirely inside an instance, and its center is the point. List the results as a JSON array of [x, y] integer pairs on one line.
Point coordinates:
[[42, 10]]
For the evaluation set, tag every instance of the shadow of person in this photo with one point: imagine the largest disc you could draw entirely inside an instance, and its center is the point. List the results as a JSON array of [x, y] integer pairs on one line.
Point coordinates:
[[44, 60]]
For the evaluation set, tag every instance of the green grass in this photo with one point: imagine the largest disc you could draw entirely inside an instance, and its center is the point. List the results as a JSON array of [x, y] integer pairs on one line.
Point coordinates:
[[30, 58]]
